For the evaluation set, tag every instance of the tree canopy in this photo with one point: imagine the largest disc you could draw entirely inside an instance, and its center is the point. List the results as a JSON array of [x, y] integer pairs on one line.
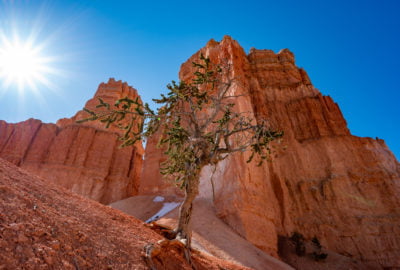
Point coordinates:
[[198, 126]]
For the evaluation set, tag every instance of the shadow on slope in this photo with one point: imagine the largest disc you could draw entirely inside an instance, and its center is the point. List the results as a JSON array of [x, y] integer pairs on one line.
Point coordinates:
[[43, 226], [210, 235]]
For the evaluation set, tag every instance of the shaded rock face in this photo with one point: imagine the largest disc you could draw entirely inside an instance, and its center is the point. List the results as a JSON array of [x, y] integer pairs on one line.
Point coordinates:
[[343, 189], [84, 158], [151, 180]]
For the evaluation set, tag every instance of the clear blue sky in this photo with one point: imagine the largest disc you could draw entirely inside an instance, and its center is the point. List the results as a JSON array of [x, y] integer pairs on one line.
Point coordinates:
[[350, 49]]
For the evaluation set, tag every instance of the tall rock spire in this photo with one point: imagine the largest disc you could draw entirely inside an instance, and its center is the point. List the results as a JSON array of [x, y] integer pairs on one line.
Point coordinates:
[[327, 184]]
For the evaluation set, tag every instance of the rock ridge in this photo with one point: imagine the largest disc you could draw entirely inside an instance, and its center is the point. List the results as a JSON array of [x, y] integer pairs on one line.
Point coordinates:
[[84, 158]]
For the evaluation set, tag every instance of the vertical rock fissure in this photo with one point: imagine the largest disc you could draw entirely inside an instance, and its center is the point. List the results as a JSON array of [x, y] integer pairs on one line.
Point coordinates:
[[107, 178], [85, 162], [74, 138], [326, 113], [278, 191], [89, 148], [46, 153], [7, 140], [131, 165], [30, 144], [130, 185]]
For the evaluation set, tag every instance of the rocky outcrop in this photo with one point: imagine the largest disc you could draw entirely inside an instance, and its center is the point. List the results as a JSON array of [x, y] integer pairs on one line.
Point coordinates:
[[109, 92], [328, 184], [84, 158], [151, 180], [43, 226]]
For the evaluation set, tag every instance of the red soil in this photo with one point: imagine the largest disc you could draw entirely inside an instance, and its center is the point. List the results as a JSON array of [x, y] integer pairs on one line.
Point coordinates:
[[43, 226]]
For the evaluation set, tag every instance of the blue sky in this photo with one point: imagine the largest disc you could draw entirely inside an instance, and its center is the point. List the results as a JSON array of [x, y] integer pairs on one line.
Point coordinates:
[[350, 49]]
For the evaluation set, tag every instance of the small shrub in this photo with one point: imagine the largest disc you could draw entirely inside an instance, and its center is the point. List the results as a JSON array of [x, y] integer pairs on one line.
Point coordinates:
[[318, 255], [316, 243], [298, 240]]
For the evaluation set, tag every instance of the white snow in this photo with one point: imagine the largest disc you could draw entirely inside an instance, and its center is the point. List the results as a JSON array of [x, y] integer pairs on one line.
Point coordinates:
[[167, 207], [158, 199]]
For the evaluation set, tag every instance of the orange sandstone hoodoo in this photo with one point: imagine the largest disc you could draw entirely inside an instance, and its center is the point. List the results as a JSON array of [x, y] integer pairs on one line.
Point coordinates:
[[324, 182], [328, 184]]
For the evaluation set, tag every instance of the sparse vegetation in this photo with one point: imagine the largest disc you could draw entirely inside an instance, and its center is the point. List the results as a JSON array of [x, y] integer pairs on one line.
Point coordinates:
[[318, 255], [298, 240], [300, 247], [198, 125]]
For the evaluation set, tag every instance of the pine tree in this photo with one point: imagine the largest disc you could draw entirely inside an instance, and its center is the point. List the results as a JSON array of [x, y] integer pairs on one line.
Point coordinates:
[[198, 127]]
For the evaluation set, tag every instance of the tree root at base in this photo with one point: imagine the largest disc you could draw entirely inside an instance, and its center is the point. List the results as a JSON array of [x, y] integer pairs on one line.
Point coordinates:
[[153, 250]]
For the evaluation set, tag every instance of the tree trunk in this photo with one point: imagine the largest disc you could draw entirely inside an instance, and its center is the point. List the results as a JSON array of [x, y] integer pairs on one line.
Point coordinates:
[[184, 230]]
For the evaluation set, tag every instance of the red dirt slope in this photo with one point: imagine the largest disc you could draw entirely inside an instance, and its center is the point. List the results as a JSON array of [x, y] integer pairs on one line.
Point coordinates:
[[43, 226]]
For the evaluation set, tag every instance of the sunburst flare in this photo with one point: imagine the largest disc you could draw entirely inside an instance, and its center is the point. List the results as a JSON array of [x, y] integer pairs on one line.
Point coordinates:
[[23, 64]]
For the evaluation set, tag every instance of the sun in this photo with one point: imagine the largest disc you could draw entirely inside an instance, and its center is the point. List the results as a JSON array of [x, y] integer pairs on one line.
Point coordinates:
[[22, 64]]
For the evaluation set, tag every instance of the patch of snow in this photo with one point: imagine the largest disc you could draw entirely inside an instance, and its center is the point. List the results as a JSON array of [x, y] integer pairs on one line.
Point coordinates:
[[167, 207], [158, 199]]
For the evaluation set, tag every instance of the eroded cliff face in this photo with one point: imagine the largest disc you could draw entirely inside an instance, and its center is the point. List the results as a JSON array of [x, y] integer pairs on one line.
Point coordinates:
[[323, 182], [84, 158], [46, 227], [342, 189]]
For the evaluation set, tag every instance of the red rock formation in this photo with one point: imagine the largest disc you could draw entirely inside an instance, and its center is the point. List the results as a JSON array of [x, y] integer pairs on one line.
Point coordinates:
[[109, 92], [84, 158], [327, 183], [151, 180], [43, 226]]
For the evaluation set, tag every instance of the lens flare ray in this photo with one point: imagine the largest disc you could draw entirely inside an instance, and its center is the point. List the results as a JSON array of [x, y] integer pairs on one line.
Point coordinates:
[[23, 65]]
